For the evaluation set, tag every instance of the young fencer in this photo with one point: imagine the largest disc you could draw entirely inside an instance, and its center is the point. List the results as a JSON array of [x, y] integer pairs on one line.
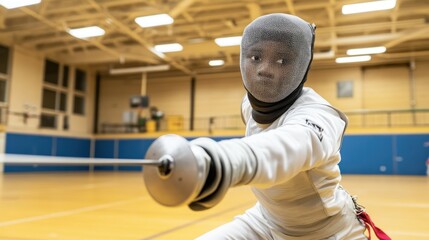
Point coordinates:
[[291, 149]]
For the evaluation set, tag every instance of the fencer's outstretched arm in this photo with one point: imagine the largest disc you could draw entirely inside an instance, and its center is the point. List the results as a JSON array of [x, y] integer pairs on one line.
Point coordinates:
[[303, 142]]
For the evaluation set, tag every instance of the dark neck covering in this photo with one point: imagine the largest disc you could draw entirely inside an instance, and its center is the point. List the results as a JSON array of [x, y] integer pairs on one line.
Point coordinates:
[[266, 113]]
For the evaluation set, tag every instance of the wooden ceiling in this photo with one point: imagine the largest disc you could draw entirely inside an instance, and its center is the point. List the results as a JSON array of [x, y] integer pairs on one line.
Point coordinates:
[[404, 30]]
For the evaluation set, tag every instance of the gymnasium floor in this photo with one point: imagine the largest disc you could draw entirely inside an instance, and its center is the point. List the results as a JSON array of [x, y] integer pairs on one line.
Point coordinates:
[[115, 205]]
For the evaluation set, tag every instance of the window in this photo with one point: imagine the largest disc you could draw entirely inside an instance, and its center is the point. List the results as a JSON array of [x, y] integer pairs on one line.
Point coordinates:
[[49, 99], [63, 101], [4, 72], [2, 90], [52, 72], [78, 106], [48, 121], [65, 123], [54, 98], [4, 60], [80, 81], [79, 96], [66, 76]]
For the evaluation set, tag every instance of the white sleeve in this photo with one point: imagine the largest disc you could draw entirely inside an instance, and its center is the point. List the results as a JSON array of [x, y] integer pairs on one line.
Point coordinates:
[[304, 141], [246, 110]]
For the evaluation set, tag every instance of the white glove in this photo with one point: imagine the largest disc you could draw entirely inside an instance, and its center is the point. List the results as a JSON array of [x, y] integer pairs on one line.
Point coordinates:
[[219, 175]]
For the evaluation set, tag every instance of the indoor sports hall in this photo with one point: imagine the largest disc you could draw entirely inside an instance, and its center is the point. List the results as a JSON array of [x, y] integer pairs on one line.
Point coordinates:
[[88, 87]]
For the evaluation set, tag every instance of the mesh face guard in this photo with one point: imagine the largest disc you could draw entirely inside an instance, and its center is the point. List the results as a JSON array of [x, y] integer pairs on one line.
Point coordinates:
[[292, 38]]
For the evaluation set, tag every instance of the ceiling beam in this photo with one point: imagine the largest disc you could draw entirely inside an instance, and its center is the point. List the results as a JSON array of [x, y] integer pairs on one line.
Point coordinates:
[[404, 54], [254, 10], [412, 23], [2, 24], [290, 7], [332, 23], [394, 16], [61, 28], [180, 8], [95, 57], [125, 29], [408, 35], [358, 40]]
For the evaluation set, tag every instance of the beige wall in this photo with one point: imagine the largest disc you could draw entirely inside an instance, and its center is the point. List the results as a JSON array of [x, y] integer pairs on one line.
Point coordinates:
[[25, 93], [220, 94], [115, 98], [217, 94], [325, 83], [421, 76], [82, 124], [386, 88], [383, 87], [25, 89], [170, 95]]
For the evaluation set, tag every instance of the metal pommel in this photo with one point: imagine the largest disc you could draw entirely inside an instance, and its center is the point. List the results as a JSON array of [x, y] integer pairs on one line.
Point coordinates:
[[180, 177], [166, 165]]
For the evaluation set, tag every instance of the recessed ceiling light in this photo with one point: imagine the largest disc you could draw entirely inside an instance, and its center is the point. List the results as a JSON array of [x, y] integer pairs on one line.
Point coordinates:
[[368, 6], [154, 68], [214, 63], [362, 51], [9, 4], [87, 32], [154, 20], [171, 47], [363, 58], [228, 41]]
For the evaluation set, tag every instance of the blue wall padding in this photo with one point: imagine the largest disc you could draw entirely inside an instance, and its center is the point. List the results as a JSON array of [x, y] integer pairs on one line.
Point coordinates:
[[362, 154], [133, 149], [26, 168], [72, 147], [403, 154], [29, 144], [104, 148], [411, 154], [399, 154]]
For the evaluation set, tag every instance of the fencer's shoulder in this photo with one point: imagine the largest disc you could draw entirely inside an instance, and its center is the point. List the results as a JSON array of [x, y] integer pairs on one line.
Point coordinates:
[[246, 109], [312, 102], [309, 96]]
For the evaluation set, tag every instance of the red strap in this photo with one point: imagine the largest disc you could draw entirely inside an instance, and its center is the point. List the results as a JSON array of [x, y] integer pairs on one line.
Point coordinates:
[[369, 223]]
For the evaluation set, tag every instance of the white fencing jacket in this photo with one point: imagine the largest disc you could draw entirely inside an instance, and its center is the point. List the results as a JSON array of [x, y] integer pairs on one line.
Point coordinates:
[[292, 165]]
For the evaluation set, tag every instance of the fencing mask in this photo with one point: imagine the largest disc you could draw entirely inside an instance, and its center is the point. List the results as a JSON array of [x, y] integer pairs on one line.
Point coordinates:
[[276, 54]]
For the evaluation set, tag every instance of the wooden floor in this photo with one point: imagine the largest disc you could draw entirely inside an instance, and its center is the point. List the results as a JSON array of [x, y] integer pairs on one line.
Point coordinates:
[[115, 205]]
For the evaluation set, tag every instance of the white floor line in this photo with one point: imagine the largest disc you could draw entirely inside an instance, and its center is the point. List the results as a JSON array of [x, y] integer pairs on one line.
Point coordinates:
[[69, 212]]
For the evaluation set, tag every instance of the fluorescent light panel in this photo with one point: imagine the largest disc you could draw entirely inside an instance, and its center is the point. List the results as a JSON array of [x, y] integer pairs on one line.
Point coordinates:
[[363, 58], [368, 6], [155, 68], [324, 55], [171, 47], [154, 20], [87, 32], [228, 41], [363, 51], [9, 4], [214, 63]]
